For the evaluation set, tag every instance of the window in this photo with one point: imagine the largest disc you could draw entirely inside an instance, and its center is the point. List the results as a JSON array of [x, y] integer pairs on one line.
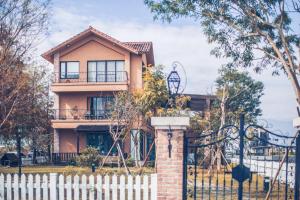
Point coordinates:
[[100, 107], [106, 71], [69, 70]]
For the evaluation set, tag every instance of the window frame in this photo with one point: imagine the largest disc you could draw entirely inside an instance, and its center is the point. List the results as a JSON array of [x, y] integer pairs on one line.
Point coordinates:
[[105, 72], [66, 69]]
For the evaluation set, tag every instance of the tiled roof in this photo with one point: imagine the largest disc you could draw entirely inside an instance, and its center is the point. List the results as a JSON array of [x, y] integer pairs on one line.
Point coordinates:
[[141, 47], [134, 47]]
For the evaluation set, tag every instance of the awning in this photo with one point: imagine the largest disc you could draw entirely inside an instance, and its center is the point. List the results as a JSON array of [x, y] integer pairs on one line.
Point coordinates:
[[92, 128]]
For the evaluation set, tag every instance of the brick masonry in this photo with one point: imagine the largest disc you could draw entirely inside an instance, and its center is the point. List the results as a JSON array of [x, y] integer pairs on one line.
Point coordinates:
[[169, 170]]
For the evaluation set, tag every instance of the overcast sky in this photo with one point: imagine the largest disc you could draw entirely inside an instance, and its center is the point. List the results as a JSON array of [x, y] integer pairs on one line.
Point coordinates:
[[182, 40]]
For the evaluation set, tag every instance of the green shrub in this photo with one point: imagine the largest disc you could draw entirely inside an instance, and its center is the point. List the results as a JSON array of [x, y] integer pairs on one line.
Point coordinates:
[[130, 162], [88, 157]]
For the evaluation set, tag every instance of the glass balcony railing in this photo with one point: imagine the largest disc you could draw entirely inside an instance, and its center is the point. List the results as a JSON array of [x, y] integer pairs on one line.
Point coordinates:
[[91, 77], [80, 114]]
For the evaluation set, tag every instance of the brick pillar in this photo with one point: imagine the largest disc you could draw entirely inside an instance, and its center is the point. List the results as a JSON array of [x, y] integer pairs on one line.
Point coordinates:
[[169, 169]]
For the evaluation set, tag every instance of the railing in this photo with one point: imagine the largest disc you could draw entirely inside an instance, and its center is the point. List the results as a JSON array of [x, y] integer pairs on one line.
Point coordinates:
[[70, 158], [90, 77], [60, 158], [60, 187], [80, 114]]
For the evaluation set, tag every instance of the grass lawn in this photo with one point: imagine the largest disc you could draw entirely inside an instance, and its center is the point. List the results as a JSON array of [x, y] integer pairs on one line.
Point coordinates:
[[72, 170]]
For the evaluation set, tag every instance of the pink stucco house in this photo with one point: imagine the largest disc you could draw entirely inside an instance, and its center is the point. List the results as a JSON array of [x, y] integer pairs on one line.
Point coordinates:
[[89, 68]]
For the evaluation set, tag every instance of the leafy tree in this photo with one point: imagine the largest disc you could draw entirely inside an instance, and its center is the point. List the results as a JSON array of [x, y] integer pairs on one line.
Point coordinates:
[[236, 93], [154, 93], [22, 23], [250, 33], [32, 109]]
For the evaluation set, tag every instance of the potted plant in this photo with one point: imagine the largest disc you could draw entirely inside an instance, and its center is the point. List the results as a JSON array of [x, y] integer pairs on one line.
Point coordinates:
[[75, 112]]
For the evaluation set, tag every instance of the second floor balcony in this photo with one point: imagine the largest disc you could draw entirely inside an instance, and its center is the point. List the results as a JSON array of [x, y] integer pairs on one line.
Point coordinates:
[[71, 118], [81, 114], [90, 81]]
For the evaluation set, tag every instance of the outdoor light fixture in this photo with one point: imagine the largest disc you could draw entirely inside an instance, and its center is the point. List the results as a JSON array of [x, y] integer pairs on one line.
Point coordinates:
[[170, 135], [173, 82]]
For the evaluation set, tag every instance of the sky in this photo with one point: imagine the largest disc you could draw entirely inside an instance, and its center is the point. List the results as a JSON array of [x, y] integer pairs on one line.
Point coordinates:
[[182, 40]]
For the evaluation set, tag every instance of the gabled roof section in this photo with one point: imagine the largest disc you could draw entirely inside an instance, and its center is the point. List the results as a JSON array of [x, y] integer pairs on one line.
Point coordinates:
[[133, 47]]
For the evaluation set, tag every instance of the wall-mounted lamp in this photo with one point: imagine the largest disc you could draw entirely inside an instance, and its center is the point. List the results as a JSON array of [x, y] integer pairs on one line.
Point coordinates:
[[170, 135]]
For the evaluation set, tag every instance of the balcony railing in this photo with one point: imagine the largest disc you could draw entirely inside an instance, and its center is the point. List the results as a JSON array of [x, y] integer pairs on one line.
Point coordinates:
[[81, 114], [90, 77]]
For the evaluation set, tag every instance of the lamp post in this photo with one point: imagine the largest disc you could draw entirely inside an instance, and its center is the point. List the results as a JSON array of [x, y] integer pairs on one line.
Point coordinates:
[[19, 132], [173, 81]]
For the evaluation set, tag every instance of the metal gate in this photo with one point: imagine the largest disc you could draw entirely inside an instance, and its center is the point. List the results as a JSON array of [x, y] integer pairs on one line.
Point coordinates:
[[241, 163]]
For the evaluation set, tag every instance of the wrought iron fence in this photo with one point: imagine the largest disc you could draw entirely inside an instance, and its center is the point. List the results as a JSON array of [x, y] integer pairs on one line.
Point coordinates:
[[225, 165]]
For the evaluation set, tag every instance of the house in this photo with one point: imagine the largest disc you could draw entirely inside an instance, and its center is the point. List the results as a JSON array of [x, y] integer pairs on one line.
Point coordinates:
[[89, 69]]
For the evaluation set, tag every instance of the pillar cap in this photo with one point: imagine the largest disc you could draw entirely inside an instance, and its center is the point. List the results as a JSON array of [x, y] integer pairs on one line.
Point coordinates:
[[167, 122], [296, 123]]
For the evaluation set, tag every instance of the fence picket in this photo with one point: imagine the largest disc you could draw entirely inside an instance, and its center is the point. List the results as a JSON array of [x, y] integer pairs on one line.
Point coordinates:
[[99, 187], [23, 187], [83, 187], [69, 187], [45, 187], [49, 184], [107, 187], [114, 187], [130, 187], [37, 187], [137, 187], [153, 186], [52, 185], [76, 187], [61, 186], [2, 187], [145, 188], [8, 187], [122, 187], [16, 187], [91, 187], [30, 186]]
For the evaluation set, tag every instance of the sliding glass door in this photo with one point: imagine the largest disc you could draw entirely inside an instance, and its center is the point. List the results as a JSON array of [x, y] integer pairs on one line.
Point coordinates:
[[100, 106]]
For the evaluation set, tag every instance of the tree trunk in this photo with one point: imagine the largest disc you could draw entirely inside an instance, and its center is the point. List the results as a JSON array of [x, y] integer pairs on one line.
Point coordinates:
[[222, 123]]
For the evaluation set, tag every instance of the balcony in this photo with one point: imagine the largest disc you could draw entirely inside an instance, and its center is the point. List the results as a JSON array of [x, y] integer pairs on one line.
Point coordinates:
[[71, 118], [90, 81]]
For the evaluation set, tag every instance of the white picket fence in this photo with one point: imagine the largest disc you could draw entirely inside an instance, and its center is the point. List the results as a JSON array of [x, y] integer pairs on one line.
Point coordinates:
[[60, 187]]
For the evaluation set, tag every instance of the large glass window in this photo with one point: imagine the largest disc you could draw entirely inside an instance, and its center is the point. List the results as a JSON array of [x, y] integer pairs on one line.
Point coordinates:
[[69, 70], [101, 141], [106, 71], [99, 107]]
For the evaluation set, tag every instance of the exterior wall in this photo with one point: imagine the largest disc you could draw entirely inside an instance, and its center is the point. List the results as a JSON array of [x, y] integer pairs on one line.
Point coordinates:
[[92, 51], [136, 72], [55, 141], [70, 100], [68, 141]]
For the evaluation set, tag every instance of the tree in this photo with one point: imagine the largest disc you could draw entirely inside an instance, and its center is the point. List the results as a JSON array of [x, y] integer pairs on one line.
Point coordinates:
[[250, 33], [32, 109], [154, 93], [236, 93], [123, 116], [22, 24]]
